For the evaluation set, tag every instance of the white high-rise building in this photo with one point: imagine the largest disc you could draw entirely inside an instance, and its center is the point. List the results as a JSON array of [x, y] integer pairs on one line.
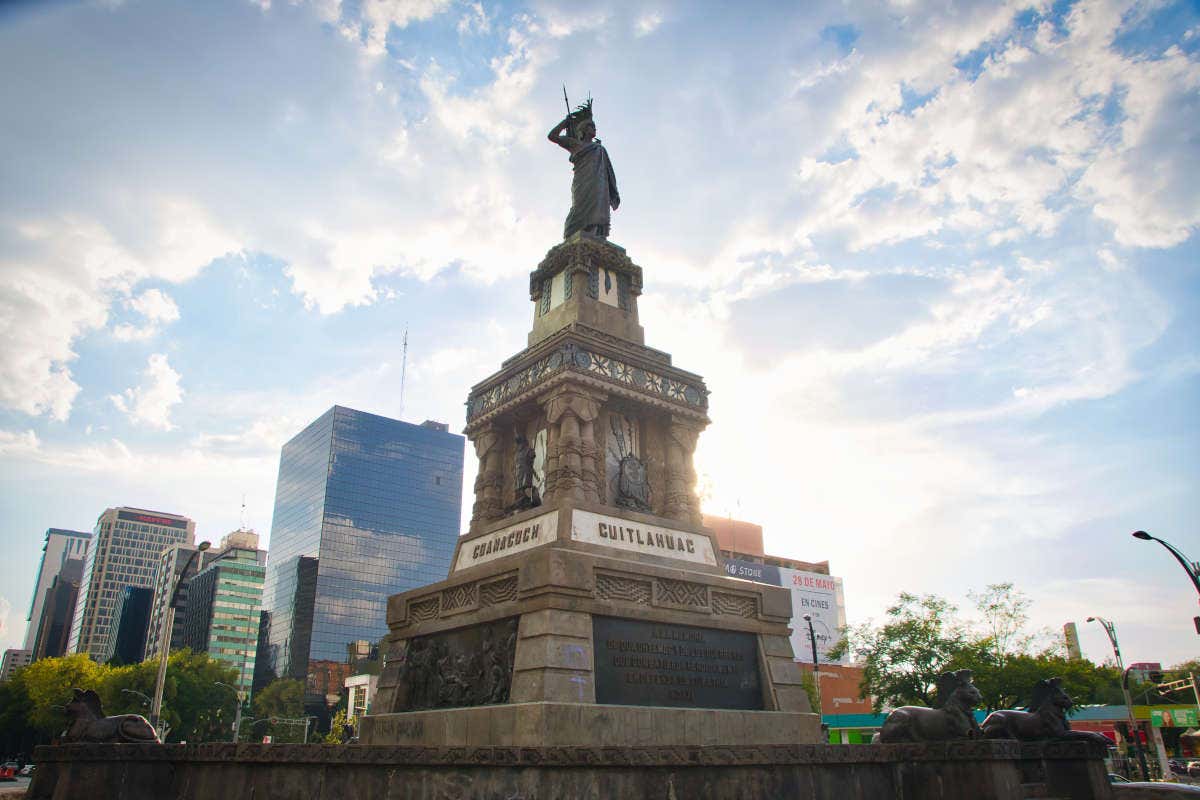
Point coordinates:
[[60, 545], [125, 551]]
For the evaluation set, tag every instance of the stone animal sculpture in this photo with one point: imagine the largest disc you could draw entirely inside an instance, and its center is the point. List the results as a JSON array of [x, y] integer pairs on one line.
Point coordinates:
[[88, 723], [1045, 719], [952, 719]]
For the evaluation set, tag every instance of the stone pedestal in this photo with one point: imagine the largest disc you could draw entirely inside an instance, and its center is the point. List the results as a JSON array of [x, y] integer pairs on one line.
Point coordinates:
[[586, 605], [623, 630]]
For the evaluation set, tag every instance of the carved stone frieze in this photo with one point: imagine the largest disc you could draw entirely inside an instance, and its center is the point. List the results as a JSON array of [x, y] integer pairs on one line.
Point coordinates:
[[682, 593], [584, 254], [572, 357], [623, 588]]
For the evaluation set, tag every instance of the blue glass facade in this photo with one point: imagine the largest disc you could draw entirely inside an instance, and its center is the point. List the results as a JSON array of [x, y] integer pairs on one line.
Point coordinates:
[[365, 507]]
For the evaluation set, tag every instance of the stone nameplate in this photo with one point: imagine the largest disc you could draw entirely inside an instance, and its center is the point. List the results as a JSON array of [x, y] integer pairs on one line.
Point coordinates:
[[638, 537], [506, 541], [656, 664]]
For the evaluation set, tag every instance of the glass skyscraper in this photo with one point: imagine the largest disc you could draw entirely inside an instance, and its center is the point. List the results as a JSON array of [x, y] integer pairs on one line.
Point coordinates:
[[365, 507]]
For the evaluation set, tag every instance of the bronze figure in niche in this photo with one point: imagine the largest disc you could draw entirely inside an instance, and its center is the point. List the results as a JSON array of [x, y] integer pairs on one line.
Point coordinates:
[[525, 478], [594, 186], [629, 487], [467, 667]]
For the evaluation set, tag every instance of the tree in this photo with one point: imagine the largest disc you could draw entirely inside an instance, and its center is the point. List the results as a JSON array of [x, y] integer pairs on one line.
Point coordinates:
[[282, 699], [49, 683], [197, 709], [1005, 611], [903, 658]]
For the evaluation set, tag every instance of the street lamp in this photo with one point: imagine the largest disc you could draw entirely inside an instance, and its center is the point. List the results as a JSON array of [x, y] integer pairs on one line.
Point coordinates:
[[237, 715], [1190, 567], [164, 637], [1136, 743], [812, 638]]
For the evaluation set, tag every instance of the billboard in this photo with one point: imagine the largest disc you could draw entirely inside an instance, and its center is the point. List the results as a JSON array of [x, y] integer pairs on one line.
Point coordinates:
[[748, 570], [152, 519], [821, 597]]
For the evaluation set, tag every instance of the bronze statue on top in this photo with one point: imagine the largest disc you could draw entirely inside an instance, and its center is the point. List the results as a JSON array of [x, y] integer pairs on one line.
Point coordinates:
[[954, 718], [594, 187]]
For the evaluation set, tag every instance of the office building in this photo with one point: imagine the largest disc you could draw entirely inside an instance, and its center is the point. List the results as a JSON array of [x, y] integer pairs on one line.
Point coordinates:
[[125, 550], [224, 602], [60, 546], [13, 660], [179, 562], [128, 639], [58, 609], [365, 507]]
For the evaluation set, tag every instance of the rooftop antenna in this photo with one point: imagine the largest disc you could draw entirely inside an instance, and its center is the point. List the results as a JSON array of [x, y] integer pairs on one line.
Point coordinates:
[[242, 518], [403, 370]]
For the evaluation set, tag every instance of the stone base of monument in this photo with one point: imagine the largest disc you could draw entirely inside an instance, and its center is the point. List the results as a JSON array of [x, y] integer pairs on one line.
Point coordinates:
[[573, 626], [976, 770], [578, 724]]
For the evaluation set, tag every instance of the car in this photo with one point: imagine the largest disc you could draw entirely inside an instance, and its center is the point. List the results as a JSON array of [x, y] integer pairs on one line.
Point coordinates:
[[1161, 789], [1193, 769], [27, 770]]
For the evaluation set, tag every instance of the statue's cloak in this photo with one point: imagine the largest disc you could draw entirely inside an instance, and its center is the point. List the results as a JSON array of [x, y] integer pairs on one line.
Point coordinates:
[[593, 191]]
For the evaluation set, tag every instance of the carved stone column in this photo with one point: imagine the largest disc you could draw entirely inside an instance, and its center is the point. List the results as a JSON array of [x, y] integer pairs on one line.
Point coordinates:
[[489, 481], [681, 502], [571, 467]]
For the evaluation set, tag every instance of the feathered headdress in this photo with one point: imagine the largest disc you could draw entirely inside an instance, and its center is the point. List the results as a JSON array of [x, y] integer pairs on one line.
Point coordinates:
[[581, 114]]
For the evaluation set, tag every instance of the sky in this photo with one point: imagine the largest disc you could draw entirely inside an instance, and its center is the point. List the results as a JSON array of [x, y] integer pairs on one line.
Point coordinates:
[[937, 262]]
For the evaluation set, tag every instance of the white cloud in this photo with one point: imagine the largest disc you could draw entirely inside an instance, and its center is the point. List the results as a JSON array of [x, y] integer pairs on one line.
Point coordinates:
[[14, 443], [157, 309], [647, 23], [150, 403], [59, 275], [475, 20]]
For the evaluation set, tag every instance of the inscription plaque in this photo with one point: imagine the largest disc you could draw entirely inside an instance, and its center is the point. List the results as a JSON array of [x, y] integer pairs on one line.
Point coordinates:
[[659, 664]]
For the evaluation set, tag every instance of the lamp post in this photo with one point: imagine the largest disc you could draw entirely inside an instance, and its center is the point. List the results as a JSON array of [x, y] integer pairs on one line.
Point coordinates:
[[1136, 743], [164, 637], [1190, 567], [237, 714], [812, 638]]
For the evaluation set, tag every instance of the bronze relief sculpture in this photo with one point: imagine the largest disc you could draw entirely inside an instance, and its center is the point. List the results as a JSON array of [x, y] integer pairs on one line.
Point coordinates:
[[594, 185], [954, 718]]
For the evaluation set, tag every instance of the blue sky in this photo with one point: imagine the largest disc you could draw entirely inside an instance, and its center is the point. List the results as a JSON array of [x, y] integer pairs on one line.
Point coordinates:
[[936, 261]]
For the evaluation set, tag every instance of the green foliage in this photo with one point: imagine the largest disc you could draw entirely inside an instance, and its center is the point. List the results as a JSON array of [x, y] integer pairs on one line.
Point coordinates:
[[903, 658], [196, 709], [281, 703], [49, 683], [922, 637], [337, 728]]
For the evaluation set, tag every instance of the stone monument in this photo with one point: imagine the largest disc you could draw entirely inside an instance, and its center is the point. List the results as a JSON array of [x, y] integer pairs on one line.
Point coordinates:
[[586, 605]]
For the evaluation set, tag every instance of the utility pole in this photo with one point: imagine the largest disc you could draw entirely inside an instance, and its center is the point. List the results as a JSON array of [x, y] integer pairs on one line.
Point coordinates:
[[1134, 734], [812, 638]]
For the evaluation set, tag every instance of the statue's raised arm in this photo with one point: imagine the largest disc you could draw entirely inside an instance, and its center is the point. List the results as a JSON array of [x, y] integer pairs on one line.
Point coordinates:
[[594, 186]]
